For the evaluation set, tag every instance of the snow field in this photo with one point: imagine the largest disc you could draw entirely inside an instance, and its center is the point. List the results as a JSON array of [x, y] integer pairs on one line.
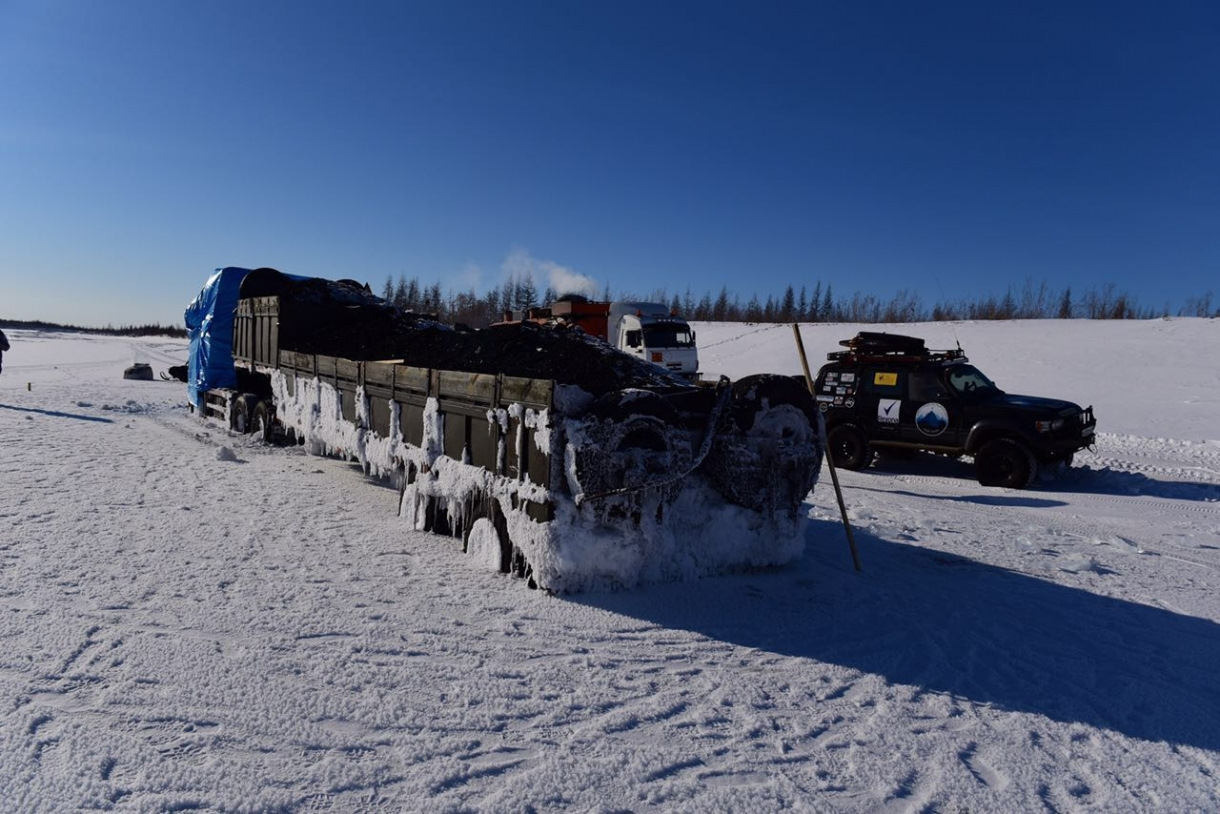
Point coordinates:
[[264, 633]]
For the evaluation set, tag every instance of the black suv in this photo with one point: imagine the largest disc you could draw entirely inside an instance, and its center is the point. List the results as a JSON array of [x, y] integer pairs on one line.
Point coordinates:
[[890, 392]]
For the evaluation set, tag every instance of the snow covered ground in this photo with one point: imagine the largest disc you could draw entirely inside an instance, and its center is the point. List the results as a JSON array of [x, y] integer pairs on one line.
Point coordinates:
[[181, 628]]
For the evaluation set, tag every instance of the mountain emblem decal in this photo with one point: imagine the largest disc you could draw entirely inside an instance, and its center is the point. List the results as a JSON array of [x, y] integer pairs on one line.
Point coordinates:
[[932, 419]]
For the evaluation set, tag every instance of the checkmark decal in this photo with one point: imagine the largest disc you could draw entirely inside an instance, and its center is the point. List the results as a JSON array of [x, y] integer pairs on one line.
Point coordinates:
[[887, 410]]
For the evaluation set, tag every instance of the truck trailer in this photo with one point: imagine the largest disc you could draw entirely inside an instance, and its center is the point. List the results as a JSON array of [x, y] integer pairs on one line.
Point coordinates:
[[547, 454]]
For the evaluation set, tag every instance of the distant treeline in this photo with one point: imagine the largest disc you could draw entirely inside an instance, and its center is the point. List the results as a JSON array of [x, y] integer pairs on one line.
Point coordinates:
[[129, 330], [816, 303]]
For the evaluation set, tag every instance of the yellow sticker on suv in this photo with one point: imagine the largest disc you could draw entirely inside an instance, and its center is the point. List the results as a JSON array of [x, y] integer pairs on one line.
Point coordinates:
[[885, 379]]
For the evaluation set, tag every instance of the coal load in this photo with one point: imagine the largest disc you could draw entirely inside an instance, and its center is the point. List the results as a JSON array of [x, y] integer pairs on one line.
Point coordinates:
[[530, 351], [344, 318]]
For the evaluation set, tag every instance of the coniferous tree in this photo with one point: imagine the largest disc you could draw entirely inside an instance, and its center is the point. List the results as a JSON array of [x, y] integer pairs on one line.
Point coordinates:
[[434, 300], [815, 304], [412, 295], [1065, 304], [787, 306], [720, 311], [527, 293], [508, 294], [754, 311], [491, 307]]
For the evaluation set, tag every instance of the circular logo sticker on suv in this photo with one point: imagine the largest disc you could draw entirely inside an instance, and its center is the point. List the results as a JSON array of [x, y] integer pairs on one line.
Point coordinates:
[[932, 419]]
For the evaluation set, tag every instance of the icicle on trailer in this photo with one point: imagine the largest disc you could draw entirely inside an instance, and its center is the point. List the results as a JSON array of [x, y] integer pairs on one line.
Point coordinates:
[[601, 477]]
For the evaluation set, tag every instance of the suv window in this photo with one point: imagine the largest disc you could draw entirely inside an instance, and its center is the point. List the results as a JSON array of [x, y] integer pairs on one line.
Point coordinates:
[[925, 385], [967, 379]]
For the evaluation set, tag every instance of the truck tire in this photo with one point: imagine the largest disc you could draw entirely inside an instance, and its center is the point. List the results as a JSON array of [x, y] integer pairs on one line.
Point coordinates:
[[621, 405], [239, 414], [754, 395], [262, 422], [849, 447], [1005, 462], [766, 454], [632, 438]]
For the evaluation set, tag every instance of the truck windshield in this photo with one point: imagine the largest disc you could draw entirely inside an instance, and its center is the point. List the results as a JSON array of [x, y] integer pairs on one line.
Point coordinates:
[[968, 380], [667, 336]]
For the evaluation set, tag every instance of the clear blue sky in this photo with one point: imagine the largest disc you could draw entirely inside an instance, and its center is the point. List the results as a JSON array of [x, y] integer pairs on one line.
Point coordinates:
[[955, 149]]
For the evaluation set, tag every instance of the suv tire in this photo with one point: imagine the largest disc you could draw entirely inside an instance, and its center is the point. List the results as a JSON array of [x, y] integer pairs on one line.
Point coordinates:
[[849, 447], [1005, 462]]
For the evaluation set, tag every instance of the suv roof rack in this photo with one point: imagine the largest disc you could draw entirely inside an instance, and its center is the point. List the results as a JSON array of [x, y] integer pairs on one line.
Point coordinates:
[[874, 346]]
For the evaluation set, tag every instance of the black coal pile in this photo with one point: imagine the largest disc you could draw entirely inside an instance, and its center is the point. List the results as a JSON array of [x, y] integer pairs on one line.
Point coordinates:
[[531, 351], [344, 318], [335, 317]]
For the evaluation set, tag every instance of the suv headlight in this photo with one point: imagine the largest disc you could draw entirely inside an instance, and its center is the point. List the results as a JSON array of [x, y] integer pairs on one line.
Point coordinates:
[[1049, 426]]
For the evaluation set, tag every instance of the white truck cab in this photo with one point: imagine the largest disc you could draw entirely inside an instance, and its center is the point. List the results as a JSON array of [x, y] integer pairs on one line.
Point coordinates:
[[648, 330]]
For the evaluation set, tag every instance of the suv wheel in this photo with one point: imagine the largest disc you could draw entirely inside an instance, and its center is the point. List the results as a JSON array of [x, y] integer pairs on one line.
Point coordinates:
[[1005, 462], [849, 447]]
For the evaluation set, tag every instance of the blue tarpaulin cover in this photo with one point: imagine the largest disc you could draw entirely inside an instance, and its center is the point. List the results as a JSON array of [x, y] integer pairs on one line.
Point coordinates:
[[209, 323]]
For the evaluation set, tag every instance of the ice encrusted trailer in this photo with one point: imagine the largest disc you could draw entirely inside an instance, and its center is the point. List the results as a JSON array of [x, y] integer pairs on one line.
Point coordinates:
[[549, 455]]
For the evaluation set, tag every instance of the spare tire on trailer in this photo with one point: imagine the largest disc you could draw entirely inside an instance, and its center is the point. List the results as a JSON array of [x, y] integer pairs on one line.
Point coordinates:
[[264, 282], [766, 454], [631, 442], [757, 394]]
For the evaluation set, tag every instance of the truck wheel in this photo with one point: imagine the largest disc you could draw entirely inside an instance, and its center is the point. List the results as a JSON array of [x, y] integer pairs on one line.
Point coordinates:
[[634, 421], [239, 414], [262, 422], [621, 405], [757, 394], [849, 447], [766, 454], [1005, 462]]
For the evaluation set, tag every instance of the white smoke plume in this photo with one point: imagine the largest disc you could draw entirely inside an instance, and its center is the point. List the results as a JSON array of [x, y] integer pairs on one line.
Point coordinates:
[[563, 280]]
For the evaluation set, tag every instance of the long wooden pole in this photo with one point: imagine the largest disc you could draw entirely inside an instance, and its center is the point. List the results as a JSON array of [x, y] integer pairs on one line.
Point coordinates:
[[834, 476]]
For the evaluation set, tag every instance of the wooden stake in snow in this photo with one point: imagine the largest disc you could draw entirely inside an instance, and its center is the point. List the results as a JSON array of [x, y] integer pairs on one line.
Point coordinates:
[[834, 476]]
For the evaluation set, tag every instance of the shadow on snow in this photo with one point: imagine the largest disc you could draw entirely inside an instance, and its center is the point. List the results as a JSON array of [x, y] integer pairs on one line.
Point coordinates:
[[1079, 479], [57, 414], [953, 625]]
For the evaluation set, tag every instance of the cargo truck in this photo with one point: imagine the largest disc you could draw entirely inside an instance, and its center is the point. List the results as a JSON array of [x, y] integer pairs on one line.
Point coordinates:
[[548, 455]]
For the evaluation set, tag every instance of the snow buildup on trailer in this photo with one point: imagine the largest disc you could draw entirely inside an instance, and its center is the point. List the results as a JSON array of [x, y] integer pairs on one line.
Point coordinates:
[[382, 457], [434, 431], [483, 545], [314, 410], [498, 416], [540, 422], [620, 542]]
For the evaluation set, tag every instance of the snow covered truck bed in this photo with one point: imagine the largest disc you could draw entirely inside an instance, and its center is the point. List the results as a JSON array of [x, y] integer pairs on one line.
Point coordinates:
[[550, 456]]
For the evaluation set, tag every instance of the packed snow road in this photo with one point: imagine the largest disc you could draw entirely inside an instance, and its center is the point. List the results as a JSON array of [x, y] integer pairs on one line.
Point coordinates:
[[189, 620]]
